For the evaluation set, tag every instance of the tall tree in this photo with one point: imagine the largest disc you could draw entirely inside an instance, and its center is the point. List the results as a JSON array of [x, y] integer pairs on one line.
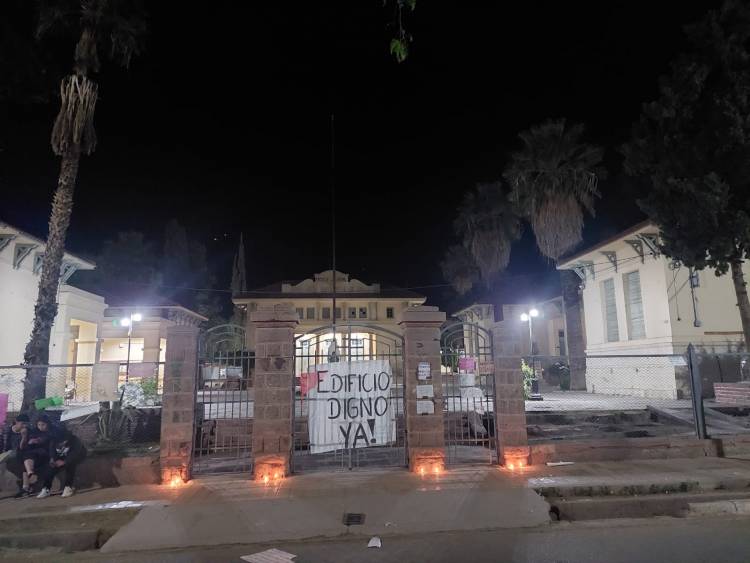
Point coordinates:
[[487, 225], [693, 143], [117, 26], [554, 179]]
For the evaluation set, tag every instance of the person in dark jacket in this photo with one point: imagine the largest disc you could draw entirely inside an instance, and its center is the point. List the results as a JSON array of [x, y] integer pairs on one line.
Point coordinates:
[[65, 453], [34, 449], [18, 435]]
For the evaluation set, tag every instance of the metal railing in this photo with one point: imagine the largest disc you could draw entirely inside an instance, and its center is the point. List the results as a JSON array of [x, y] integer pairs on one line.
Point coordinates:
[[699, 393]]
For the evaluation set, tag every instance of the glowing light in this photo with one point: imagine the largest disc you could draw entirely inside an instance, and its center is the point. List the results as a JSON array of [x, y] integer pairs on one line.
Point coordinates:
[[265, 479], [524, 317], [176, 481], [125, 321], [276, 475], [137, 317], [534, 313], [436, 470], [511, 466], [421, 470], [521, 464]]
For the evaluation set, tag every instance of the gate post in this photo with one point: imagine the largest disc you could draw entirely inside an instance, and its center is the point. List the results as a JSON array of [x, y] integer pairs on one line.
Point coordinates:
[[274, 389], [510, 407], [425, 433], [178, 403]]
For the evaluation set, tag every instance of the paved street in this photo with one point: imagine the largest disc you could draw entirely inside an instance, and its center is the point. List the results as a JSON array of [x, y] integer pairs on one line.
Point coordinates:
[[658, 540]]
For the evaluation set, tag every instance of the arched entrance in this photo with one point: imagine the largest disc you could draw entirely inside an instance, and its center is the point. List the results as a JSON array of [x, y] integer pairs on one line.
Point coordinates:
[[468, 393], [348, 398], [224, 402]]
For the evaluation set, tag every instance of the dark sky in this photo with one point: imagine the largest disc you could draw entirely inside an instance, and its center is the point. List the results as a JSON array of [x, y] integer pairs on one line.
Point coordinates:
[[223, 123]]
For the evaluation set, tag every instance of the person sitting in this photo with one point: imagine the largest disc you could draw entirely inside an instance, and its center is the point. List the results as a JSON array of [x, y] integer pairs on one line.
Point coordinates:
[[34, 451], [65, 453], [14, 464]]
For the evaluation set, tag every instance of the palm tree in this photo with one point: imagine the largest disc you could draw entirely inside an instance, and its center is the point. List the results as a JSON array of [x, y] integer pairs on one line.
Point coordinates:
[[554, 180], [487, 224], [118, 26], [459, 268]]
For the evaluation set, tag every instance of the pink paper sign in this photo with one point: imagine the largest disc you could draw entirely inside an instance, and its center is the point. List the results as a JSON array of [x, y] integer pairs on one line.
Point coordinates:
[[3, 407], [466, 364]]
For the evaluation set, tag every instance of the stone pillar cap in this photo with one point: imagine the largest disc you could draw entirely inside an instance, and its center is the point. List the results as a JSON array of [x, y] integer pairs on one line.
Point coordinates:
[[422, 314]]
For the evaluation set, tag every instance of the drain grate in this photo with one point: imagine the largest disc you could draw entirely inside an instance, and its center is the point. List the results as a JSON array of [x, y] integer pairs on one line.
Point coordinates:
[[354, 519]]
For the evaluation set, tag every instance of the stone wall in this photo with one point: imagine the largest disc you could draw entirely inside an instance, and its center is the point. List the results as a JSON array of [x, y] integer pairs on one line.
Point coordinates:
[[178, 402], [274, 371], [425, 433]]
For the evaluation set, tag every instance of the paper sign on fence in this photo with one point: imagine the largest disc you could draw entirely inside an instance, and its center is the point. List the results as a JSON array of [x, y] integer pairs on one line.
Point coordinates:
[[104, 386], [350, 406]]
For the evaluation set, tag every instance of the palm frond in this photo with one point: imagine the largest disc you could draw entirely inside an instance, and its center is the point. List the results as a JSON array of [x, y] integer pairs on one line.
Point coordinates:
[[554, 178]]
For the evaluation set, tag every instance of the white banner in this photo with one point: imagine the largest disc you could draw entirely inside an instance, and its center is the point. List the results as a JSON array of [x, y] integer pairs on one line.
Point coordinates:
[[349, 405]]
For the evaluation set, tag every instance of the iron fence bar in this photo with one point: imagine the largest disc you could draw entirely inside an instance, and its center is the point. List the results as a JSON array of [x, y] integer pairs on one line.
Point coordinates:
[[696, 390]]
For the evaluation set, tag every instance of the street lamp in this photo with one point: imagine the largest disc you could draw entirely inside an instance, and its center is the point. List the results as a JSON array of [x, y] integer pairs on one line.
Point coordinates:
[[528, 316], [128, 322]]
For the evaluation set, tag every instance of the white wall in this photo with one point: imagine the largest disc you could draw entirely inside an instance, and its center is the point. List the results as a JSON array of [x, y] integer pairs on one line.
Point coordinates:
[[18, 293], [716, 303], [655, 308]]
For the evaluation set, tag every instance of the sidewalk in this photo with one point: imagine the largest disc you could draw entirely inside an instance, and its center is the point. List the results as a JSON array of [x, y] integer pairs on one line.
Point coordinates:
[[226, 510]]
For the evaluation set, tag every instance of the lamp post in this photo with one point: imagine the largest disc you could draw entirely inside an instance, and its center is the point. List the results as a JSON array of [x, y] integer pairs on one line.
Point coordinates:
[[528, 317], [128, 322]]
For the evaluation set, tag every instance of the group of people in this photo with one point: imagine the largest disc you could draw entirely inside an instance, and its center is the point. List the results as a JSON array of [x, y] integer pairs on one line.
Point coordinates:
[[40, 452]]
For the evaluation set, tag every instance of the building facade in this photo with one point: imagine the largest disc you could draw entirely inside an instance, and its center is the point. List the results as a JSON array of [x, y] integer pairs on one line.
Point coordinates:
[[357, 303], [79, 312], [639, 302]]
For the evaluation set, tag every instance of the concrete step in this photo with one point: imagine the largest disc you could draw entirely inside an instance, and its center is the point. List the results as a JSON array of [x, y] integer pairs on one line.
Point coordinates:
[[677, 505], [65, 530], [62, 540]]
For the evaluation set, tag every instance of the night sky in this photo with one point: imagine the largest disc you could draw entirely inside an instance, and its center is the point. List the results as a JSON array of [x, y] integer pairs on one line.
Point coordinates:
[[223, 123]]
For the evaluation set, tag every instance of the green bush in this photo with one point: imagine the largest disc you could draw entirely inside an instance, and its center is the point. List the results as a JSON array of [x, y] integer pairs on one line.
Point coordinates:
[[528, 377]]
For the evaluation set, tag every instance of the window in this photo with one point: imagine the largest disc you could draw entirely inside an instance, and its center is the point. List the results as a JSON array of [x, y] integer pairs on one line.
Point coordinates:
[[311, 312], [631, 283], [389, 313], [609, 307], [300, 313], [325, 313], [338, 312], [363, 312], [352, 312]]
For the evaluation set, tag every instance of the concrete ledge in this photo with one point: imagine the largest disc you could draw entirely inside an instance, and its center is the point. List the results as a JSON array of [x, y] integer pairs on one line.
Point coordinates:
[[625, 448], [732, 506]]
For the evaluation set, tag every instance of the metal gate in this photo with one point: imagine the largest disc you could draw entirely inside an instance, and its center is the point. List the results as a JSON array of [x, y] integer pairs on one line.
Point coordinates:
[[329, 439], [468, 393], [224, 402]]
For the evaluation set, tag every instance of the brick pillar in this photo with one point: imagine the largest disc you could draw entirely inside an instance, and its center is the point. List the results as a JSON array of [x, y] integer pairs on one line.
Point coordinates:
[[178, 402], [510, 411], [273, 386], [425, 434]]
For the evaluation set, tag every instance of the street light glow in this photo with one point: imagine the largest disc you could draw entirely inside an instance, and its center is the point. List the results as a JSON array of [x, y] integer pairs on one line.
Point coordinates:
[[524, 317], [125, 321], [137, 317], [533, 313]]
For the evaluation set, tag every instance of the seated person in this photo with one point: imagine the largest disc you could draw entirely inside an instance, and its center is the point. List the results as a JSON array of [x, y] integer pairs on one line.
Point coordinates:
[[66, 452], [34, 451], [18, 433]]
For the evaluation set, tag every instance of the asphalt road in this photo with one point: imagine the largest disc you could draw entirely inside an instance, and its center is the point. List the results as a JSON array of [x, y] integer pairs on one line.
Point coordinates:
[[660, 540]]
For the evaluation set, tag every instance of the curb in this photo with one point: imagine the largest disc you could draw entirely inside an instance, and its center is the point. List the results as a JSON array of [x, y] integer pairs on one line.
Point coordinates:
[[733, 506]]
